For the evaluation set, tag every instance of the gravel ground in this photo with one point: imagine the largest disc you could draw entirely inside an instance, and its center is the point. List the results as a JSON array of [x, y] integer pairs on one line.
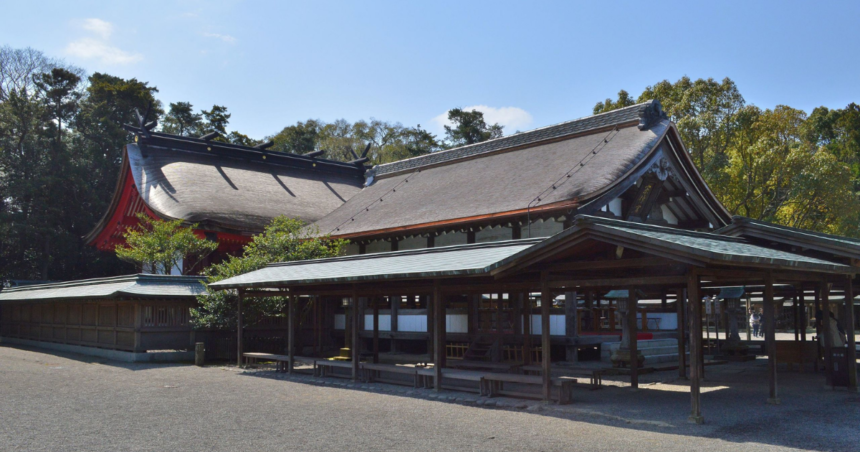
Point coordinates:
[[61, 402]]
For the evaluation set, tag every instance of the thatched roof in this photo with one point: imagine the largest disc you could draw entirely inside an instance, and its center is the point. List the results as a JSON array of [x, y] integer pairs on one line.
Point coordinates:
[[558, 166]]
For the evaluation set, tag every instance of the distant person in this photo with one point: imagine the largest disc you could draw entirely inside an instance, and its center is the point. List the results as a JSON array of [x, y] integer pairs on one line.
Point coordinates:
[[755, 321]]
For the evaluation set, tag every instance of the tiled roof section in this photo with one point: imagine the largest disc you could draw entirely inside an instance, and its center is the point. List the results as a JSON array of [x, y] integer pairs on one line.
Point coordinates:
[[621, 116], [132, 286], [740, 222], [470, 259], [701, 245]]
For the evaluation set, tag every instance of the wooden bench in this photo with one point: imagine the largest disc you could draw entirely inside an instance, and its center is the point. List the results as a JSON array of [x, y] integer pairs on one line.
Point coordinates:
[[485, 365], [281, 361], [371, 373], [594, 375], [426, 376], [323, 367], [493, 385]]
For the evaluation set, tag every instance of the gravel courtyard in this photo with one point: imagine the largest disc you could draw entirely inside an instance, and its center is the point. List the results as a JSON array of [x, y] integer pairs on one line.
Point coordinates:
[[57, 402]]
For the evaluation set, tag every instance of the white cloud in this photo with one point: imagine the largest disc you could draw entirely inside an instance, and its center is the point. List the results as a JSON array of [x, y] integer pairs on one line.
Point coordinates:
[[513, 118], [226, 38], [99, 27], [99, 46]]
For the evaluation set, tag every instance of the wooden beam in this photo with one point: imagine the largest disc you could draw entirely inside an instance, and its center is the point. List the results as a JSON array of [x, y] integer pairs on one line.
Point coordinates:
[[375, 330], [239, 329], [695, 298], [438, 334], [291, 331], [770, 338], [609, 264], [527, 328], [632, 302], [826, 327], [680, 306], [545, 304], [356, 315], [616, 282], [849, 329]]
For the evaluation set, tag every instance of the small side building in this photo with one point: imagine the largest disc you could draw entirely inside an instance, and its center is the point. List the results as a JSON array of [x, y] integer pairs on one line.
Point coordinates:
[[129, 318]]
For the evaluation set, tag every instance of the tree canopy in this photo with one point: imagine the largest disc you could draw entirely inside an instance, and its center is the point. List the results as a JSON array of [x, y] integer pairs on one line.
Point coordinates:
[[469, 127], [284, 240], [778, 165], [159, 246]]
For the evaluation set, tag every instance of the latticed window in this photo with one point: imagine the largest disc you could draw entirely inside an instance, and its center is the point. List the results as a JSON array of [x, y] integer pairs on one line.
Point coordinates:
[[165, 316], [147, 316]]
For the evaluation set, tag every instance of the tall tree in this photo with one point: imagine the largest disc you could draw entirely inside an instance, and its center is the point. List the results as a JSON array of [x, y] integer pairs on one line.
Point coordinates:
[[469, 127], [216, 120], [181, 120], [284, 240], [160, 246], [624, 100]]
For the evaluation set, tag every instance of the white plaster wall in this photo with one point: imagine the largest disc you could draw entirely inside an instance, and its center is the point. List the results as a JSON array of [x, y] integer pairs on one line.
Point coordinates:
[[384, 322]]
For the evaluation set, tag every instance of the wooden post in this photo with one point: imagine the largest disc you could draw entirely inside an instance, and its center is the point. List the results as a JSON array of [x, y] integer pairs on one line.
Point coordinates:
[[849, 330], [438, 334], [796, 306], [291, 331], [825, 327], [239, 328], [431, 325], [395, 311], [375, 302], [770, 337], [695, 299], [682, 349], [804, 322], [571, 320], [632, 304], [356, 315], [595, 317], [527, 329], [545, 304]]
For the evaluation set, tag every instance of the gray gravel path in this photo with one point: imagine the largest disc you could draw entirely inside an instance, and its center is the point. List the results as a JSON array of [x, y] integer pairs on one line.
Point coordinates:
[[59, 402]]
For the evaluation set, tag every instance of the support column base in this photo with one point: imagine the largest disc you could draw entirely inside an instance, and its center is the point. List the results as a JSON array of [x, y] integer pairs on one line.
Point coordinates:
[[698, 420], [773, 401]]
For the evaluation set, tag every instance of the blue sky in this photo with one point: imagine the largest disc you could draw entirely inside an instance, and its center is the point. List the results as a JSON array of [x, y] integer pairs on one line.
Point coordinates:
[[527, 64]]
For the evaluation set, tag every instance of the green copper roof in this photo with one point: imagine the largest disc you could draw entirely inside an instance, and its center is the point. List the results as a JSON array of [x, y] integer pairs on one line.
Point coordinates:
[[129, 286], [455, 260]]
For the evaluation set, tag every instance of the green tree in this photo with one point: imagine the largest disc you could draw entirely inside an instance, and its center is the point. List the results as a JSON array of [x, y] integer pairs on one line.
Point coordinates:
[[300, 138], [181, 120], [284, 240], [468, 127], [158, 246], [215, 120], [624, 100]]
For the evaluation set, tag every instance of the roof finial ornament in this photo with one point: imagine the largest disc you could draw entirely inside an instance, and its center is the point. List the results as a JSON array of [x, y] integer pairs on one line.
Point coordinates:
[[650, 114]]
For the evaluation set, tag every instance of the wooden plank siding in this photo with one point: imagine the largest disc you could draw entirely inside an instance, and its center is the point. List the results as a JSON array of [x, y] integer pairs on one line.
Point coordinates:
[[128, 325]]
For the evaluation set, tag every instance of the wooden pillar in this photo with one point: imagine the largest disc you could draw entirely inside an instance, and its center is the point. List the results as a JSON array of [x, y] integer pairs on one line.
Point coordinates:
[[438, 306], [545, 304], [571, 321], [395, 311], [291, 331], [356, 315], [238, 328], [825, 328], [770, 337], [431, 325], [681, 295], [804, 322], [375, 302], [695, 300], [527, 329], [849, 330], [632, 304], [796, 309]]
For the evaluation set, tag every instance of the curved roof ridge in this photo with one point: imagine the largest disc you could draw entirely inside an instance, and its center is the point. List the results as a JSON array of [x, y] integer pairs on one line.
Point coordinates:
[[132, 278], [579, 125]]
